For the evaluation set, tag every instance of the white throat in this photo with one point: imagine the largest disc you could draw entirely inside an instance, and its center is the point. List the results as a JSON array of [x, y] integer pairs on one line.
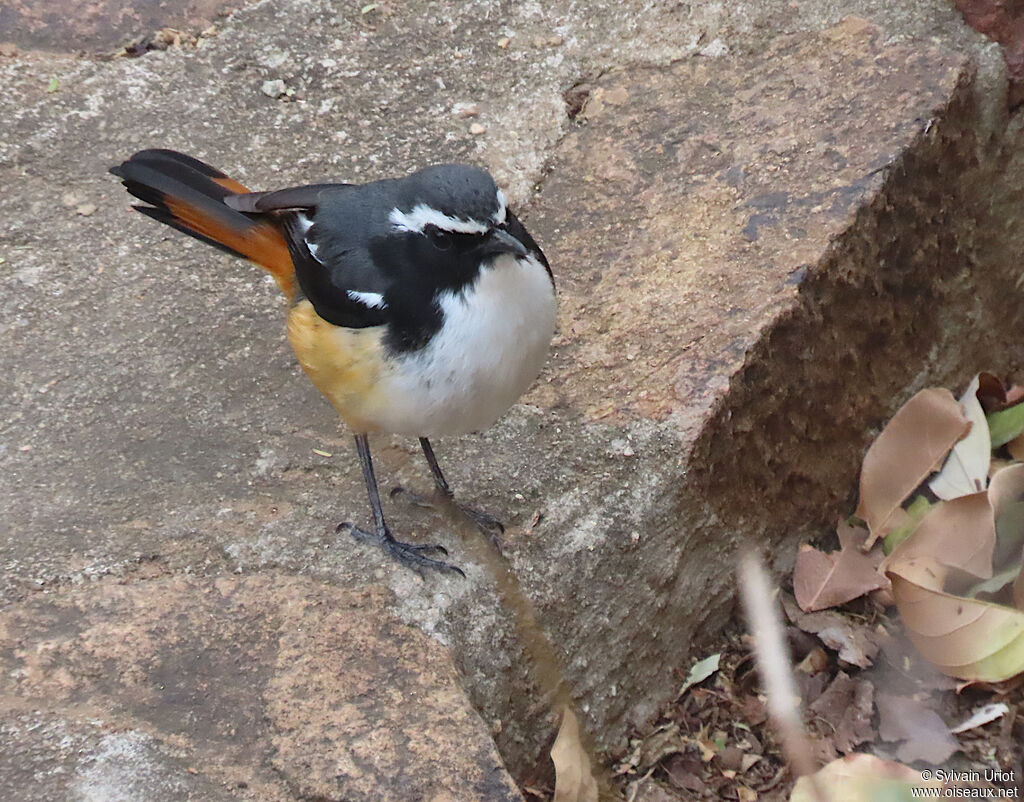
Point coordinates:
[[491, 347]]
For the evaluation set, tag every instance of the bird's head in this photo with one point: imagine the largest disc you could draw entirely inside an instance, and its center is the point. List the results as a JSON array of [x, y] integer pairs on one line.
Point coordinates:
[[450, 220]]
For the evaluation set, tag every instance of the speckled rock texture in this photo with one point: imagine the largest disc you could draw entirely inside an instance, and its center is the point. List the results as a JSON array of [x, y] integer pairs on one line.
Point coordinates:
[[769, 225], [266, 686]]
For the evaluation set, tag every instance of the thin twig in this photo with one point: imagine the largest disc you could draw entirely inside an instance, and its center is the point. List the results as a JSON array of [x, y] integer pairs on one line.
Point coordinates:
[[776, 671]]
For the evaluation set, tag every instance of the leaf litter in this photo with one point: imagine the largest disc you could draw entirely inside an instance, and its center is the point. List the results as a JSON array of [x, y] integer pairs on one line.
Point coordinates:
[[903, 660]]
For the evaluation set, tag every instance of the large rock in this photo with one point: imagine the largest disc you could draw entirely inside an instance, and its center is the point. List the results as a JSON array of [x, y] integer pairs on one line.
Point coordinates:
[[268, 685], [768, 226]]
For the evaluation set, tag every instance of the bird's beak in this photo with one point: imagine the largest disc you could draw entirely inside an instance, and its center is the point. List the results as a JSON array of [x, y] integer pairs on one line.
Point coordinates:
[[499, 241]]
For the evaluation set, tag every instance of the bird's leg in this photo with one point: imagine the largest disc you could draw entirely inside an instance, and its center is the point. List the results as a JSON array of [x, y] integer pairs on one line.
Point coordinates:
[[485, 522], [413, 555]]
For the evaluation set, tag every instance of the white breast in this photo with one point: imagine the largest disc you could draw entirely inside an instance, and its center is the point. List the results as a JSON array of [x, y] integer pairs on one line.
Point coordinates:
[[490, 349]]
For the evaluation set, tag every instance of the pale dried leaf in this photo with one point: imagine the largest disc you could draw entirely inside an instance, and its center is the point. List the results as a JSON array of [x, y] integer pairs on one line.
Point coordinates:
[[922, 732], [1006, 495], [574, 781], [960, 533], [826, 580], [862, 778], [913, 444], [966, 469], [700, 671], [964, 638], [982, 716], [854, 643], [1018, 589]]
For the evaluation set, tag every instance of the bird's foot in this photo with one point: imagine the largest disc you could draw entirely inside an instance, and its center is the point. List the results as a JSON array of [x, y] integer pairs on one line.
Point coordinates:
[[489, 526], [413, 555]]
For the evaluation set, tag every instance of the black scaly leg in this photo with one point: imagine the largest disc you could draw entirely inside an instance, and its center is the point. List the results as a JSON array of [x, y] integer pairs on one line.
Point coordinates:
[[413, 555], [486, 523]]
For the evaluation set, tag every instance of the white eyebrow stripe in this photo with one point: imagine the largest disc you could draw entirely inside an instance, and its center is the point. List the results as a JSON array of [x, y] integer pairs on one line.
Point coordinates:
[[422, 216], [374, 300], [499, 216]]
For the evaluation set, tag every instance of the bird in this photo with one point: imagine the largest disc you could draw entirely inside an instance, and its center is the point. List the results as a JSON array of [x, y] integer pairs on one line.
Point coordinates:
[[419, 305]]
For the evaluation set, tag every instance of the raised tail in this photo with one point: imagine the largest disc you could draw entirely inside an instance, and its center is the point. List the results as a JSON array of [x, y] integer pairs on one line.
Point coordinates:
[[188, 195]]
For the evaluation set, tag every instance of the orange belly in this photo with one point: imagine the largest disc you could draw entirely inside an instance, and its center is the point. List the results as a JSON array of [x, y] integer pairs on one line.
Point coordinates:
[[344, 364]]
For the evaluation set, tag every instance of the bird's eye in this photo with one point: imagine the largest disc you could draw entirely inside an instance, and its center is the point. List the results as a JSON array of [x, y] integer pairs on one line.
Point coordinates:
[[441, 239]]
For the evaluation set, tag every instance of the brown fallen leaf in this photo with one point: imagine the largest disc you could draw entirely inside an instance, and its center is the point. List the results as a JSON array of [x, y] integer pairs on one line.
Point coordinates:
[[846, 707], [574, 780], [963, 638], [744, 794], [912, 445], [684, 771], [861, 778], [827, 580], [960, 533], [923, 733], [965, 470], [816, 661], [991, 392], [661, 743], [854, 643]]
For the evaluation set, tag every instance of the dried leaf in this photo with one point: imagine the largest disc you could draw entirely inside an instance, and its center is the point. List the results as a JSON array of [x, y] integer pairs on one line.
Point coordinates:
[[924, 735], [913, 444], [982, 716], [991, 392], [701, 670], [854, 644], [574, 781], [1018, 589], [960, 533], [994, 584], [964, 638], [1006, 495], [846, 707], [861, 778], [826, 580], [661, 743], [815, 662], [966, 469]]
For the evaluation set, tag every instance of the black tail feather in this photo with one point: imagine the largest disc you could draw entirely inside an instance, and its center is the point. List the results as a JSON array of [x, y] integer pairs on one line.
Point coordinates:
[[189, 196]]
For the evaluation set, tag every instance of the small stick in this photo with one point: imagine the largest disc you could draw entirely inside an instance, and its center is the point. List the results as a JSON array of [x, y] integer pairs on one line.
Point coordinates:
[[775, 667]]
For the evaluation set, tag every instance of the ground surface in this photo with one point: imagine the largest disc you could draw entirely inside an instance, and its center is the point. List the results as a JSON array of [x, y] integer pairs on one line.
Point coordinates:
[[769, 224]]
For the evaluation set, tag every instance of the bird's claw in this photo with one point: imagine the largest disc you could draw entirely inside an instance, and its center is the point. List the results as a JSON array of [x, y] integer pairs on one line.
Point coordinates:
[[489, 526], [411, 554]]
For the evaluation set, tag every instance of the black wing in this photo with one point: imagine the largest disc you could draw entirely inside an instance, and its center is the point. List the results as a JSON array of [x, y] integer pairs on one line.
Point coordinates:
[[342, 285]]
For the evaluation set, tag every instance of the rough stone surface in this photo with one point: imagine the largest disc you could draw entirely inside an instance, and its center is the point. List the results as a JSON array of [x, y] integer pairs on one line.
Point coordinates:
[[770, 224], [102, 25], [267, 686]]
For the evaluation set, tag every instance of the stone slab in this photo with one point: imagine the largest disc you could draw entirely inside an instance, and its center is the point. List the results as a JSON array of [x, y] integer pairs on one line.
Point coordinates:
[[768, 226], [264, 687]]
